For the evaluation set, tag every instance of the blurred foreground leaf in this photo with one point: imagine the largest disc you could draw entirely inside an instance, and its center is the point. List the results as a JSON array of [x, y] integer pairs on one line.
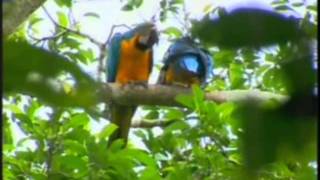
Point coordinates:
[[277, 133], [247, 27], [33, 71]]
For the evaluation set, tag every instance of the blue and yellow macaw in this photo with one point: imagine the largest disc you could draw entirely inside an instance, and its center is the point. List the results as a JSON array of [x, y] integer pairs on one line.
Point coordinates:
[[130, 60], [185, 63]]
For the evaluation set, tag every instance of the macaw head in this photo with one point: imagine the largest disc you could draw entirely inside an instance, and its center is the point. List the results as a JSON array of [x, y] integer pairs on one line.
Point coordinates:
[[146, 34]]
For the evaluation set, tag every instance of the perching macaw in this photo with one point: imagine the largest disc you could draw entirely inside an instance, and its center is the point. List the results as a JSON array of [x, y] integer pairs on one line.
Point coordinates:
[[130, 60], [185, 63]]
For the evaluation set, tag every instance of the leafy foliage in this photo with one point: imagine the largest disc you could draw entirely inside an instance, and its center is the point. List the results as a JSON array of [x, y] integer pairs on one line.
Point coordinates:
[[51, 104], [36, 76], [221, 31]]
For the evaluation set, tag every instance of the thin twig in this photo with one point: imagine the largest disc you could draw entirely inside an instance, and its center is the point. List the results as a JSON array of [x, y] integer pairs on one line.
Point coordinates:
[[186, 20], [99, 44], [47, 37], [71, 30], [113, 28], [176, 17]]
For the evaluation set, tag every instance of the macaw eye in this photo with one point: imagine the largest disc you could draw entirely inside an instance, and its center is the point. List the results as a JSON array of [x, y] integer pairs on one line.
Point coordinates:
[[190, 63]]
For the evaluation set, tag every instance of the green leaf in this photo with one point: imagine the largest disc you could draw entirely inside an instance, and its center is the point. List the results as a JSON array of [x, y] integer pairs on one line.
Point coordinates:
[[132, 4], [8, 174], [38, 176], [26, 122], [270, 57], [275, 2], [92, 14], [309, 28], [127, 7], [297, 4], [235, 158], [312, 8], [117, 145], [150, 173], [173, 31], [178, 1], [186, 100], [75, 56], [180, 172], [78, 134], [198, 94], [73, 162], [25, 155], [88, 54], [163, 13], [236, 72], [107, 131], [23, 141], [262, 69], [174, 114], [34, 19], [80, 119], [208, 8], [62, 3], [33, 108], [74, 147], [223, 58], [177, 125], [283, 8], [140, 133], [13, 108], [142, 157], [163, 4], [72, 43], [218, 84], [7, 136], [273, 78], [63, 19], [249, 55], [153, 114]]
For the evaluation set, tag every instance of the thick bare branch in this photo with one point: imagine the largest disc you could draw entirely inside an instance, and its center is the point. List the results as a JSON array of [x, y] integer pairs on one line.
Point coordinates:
[[17, 11], [165, 95]]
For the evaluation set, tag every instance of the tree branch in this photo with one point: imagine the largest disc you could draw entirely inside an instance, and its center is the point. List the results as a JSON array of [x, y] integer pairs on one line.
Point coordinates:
[[150, 123], [165, 95], [16, 12]]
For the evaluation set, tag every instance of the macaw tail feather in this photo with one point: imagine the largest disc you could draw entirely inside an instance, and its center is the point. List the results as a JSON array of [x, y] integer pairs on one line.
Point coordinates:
[[121, 116]]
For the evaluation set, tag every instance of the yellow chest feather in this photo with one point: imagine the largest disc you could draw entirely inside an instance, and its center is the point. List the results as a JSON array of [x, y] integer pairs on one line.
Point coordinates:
[[134, 63]]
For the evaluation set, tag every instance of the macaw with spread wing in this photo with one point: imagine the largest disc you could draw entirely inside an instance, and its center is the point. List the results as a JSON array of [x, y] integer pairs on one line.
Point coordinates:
[[185, 63], [130, 60]]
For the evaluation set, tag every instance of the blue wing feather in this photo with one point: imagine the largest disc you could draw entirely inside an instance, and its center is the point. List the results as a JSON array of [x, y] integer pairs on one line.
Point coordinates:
[[113, 57], [190, 62]]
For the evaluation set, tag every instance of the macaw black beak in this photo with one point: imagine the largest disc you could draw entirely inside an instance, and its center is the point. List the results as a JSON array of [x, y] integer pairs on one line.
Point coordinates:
[[150, 38]]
